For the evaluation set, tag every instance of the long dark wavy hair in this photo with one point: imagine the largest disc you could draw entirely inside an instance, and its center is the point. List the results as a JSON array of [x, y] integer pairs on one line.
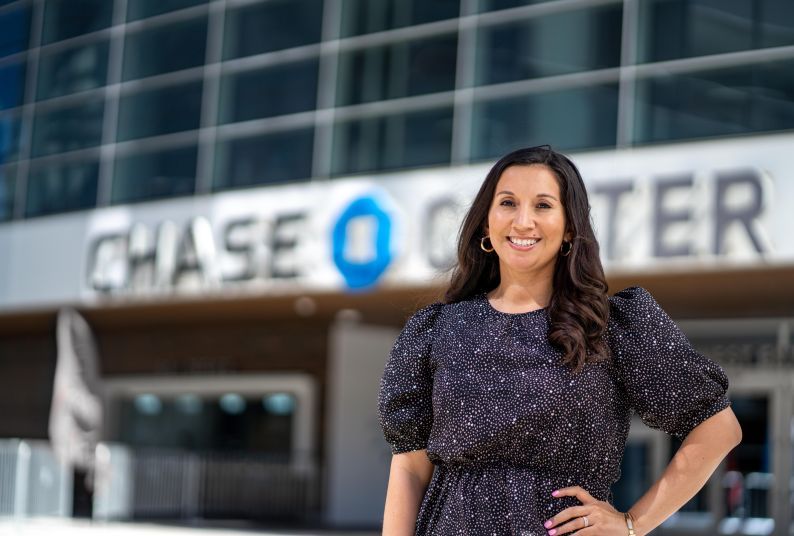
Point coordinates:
[[579, 308]]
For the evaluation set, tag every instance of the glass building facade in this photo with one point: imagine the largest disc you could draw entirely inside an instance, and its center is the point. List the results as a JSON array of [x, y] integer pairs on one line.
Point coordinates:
[[106, 102]]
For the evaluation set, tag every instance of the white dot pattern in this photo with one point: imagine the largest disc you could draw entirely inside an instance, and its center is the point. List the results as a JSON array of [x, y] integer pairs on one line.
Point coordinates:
[[505, 423]]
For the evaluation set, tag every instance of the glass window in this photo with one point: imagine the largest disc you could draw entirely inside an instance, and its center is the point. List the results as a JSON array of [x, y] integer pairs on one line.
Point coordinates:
[[7, 192], [12, 85], [72, 70], [396, 141], [14, 31], [272, 25], [10, 125], [365, 16], [69, 18], [140, 9], [266, 159], [752, 98], [68, 129], [399, 70], [706, 27], [154, 175], [544, 46], [160, 111], [61, 188], [494, 5], [165, 49], [278, 90], [567, 119]]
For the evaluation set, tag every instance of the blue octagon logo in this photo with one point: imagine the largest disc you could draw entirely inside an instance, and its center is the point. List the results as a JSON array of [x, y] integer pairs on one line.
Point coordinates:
[[366, 214]]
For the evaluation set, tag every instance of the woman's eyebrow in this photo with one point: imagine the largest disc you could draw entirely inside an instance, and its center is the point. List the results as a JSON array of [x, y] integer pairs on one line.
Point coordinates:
[[508, 192]]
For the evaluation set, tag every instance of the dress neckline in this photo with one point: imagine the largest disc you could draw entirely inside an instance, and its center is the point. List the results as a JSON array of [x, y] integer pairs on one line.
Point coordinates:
[[484, 297]]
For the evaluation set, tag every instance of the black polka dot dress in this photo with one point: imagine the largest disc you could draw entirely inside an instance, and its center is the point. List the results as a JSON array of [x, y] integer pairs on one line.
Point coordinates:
[[505, 423]]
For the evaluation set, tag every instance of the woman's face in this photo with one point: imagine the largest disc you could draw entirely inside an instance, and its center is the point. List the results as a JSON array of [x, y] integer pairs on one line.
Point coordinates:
[[526, 205]]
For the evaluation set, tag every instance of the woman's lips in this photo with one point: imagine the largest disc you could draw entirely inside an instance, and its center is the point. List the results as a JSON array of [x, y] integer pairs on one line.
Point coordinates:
[[522, 248]]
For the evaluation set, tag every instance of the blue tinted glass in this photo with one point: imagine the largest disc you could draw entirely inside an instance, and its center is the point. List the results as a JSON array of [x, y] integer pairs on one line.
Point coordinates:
[[61, 188], [400, 70], [68, 129], [12, 85], [397, 141], [140, 9], [69, 18], [542, 46], [72, 70], [272, 25], [704, 27], [751, 98], [366, 16], [7, 191], [145, 51], [154, 175], [160, 111], [569, 119], [266, 159], [14, 31], [9, 137], [278, 90], [495, 5]]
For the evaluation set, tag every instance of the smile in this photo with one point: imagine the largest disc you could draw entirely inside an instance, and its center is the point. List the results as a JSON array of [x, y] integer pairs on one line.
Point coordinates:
[[522, 245]]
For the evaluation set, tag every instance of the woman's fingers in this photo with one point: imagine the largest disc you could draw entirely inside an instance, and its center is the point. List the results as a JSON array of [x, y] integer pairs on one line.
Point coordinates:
[[575, 491]]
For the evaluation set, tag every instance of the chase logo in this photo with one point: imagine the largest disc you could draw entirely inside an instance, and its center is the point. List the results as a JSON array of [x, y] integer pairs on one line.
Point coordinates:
[[362, 242]]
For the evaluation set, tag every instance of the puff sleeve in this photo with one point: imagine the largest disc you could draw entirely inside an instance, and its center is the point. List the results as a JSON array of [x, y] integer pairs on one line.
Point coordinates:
[[670, 385], [405, 409]]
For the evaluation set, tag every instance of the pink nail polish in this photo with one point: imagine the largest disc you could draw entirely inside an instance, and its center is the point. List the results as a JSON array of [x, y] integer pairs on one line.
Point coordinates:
[[547, 524], [555, 493], [552, 532]]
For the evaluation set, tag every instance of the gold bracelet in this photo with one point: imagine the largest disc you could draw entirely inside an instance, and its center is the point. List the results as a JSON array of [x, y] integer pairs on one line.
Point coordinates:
[[629, 523]]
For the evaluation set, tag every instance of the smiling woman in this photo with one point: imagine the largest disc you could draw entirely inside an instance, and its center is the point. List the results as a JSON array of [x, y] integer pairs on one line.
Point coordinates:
[[507, 406]]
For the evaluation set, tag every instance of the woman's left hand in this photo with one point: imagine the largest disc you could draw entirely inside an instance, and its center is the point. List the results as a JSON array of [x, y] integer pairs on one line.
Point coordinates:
[[602, 518]]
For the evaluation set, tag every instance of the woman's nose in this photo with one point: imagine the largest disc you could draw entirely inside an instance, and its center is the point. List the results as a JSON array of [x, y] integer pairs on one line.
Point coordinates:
[[524, 218]]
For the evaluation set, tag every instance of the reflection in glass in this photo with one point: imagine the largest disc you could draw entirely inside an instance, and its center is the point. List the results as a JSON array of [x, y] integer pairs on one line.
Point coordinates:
[[266, 159], [160, 111], [578, 118], [754, 98], [397, 141], [164, 49], [68, 129], [154, 175], [73, 69], [10, 125], [706, 27], [12, 85], [62, 188], [272, 25], [7, 190], [365, 16], [400, 70], [140, 9], [69, 18], [14, 31], [278, 90], [543, 46]]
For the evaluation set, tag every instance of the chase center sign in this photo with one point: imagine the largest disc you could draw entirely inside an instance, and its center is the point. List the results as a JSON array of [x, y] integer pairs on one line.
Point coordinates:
[[688, 207]]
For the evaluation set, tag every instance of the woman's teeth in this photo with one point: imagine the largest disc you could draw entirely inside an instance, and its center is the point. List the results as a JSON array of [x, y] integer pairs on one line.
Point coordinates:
[[518, 242]]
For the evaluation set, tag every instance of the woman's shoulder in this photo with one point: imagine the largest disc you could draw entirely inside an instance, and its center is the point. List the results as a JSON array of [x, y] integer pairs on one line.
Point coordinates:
[[633, 305]]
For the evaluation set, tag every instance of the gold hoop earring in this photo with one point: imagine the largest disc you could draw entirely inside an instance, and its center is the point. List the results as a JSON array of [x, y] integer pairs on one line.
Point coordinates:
[[570, 247], [482, 244]]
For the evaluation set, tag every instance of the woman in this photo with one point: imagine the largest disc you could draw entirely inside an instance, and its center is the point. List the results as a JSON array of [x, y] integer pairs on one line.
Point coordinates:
[[507, 405]]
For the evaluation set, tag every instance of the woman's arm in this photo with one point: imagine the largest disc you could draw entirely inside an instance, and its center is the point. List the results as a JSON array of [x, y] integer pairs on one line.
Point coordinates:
[[408, 479], [697, 458], [699, 455]]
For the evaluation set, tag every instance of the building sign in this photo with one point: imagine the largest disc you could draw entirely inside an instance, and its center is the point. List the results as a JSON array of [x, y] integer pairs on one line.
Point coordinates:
[[691, 206]]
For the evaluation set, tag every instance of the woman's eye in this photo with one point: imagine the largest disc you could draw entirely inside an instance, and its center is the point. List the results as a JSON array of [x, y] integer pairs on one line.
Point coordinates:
[[506, 201], [544, 205]]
